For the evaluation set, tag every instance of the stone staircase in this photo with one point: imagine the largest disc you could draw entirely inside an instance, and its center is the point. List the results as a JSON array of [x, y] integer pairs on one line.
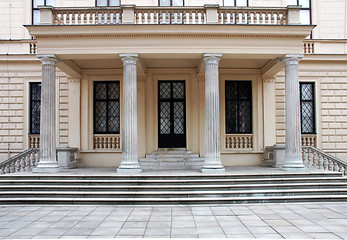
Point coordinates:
[[192, 188], [171, 159]]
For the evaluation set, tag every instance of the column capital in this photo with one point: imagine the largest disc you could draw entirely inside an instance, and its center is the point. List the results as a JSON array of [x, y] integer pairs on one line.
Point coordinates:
[[129, 58], [212, 57], [292, 58], [48, 58]]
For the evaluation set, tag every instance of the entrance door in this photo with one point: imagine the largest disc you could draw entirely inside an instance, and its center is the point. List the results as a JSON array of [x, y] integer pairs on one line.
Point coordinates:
[[172, 114]]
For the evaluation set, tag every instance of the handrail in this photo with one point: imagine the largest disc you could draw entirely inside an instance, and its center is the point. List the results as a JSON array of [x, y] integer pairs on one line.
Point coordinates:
[[316, 157], [21, 162]]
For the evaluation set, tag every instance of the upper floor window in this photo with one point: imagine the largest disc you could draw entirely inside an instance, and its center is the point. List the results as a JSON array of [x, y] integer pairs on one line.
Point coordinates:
[[171, 2], [238, 107], [36, 11], [307, 107], [107, 3], [106, 107], [305, 12], [35, 107], [236, 3]]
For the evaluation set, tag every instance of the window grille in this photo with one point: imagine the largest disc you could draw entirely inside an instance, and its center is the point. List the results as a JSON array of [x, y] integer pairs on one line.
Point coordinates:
[[35, 108], [238, 106], [106, 107], [307, 106]]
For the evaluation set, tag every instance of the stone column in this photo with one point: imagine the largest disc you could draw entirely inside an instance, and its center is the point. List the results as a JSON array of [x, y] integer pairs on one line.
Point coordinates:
[[212, 163], [130, 163], [48, 153], [293, 158]]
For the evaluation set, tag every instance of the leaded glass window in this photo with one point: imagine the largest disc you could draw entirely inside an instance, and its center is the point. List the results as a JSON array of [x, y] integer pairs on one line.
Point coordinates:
[[106, 107], [238, 106], [307, 106], [35, 108]]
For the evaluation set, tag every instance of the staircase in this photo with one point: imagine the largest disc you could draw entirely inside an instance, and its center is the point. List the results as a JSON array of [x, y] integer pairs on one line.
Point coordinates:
[[193, 188], [171, 159]]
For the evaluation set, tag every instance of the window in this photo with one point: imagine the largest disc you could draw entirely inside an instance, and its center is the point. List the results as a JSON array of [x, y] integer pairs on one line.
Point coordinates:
[[35, 107], [107, 3], [171, 2], [235, 3], [238, 106], [305, 12], [106, 107], [307, 106], [36, 11]]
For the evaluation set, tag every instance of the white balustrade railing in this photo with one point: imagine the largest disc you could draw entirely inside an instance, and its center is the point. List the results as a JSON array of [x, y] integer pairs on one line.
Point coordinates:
[[239, 141], [317, 158], [173, 15], [34, 140], [33, 47], [232, 15], [87, 16], [169, 15], [309, 140], [106, 141], [21, 162]]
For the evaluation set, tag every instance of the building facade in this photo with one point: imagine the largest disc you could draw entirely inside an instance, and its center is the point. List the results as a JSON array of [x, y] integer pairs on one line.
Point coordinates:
[[119, 79]]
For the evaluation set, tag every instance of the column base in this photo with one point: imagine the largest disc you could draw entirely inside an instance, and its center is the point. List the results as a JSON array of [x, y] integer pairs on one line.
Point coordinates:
[[213, 170], [46, 168], [294, 168], [129, 170]]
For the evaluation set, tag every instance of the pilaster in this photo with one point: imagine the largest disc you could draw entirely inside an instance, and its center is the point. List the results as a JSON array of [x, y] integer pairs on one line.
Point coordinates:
[[293, 158], [212, 163], [130, 163], [48, 160]]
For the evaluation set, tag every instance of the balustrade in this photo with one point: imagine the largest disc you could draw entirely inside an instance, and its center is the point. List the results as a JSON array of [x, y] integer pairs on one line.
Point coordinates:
[[317, 158], [169, 15], [308, 140], [22, 162], [34, 140], [308, 47], [109, 141], [239, 142]]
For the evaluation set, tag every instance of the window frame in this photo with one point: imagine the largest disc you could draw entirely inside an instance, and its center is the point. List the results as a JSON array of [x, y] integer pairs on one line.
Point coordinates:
[[107, 101], [313, 107], [250, 100], [31, 106], [171, 4], [235, 4], [108, 4], [33, 9]]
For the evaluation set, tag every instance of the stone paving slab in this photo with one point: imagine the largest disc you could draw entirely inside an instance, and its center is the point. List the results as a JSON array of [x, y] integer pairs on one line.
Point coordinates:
[[327, 220]]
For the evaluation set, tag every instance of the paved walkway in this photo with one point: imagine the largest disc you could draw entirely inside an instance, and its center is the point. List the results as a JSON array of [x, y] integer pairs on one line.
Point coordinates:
[[304, 221]]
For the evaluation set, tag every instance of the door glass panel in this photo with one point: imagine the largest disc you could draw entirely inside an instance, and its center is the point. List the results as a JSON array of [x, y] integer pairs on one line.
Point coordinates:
[[305, 17], [101, 3], [51, 2], [165, 113], [304, 3], [241, 3], [178, 118], [114, 3], [178, 90], [38, 3], [292, 2], [165, 90], [100, 117]]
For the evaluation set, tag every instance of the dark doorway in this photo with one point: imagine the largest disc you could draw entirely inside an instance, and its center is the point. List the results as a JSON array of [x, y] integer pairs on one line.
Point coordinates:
[[171, 114]]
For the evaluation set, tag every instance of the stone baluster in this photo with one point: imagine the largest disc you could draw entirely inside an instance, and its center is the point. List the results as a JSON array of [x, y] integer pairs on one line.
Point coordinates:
[[130, 163], [293, 159], [48, 160], [212, 162]]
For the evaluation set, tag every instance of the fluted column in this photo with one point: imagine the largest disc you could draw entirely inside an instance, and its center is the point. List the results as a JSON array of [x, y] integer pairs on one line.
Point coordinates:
[[48, 160], [293, 158], [212, 163], [130, 162]]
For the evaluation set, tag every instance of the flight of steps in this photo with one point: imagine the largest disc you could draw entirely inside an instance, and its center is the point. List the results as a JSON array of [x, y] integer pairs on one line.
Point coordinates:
[[171, 159], [173, 189]]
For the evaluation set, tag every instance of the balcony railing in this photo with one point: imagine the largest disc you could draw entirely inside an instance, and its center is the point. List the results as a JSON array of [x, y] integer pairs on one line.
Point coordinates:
[[131, 14], [239, 141]]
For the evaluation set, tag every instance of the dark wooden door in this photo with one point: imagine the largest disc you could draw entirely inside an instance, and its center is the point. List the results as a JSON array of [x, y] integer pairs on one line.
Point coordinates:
[[171, 114]]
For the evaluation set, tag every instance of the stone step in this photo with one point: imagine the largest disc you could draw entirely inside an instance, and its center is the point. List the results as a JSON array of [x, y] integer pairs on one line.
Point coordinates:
[[171, 187], [158, 181], [189, 200]]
